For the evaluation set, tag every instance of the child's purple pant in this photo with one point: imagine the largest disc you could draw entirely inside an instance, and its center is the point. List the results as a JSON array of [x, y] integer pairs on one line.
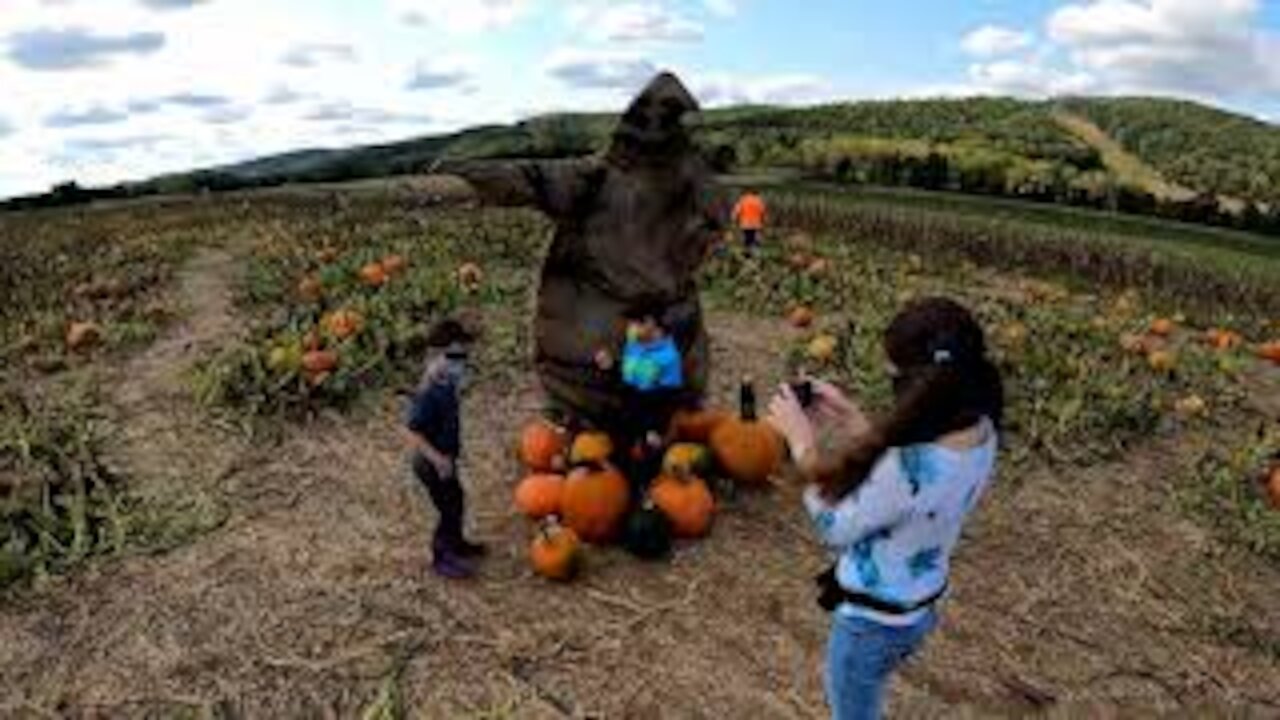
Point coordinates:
[[449, 499]]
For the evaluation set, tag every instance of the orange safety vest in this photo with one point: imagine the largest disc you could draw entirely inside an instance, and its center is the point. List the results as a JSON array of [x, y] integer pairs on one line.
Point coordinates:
[[749, 212]]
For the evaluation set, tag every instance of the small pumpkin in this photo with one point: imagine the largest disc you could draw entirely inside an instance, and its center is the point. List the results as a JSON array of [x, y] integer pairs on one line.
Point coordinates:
[[590, 447], [1014, 334], [1191, 406], [319, 361], [686, 501], [801, 316], [1271, 483], [646, 533], [83, 335], [373, 275], [687, 457], [470, 276], [1220, 339], [1162, 361], [310, 289], [556, 552], [822, 348], [748, 450], [1270, 351], [538, 496], [696, 426], [800, 260], [285, 358], [393, 264], [343, 324], [327, 255], [594, 501], [542, 446], [1162, 327]]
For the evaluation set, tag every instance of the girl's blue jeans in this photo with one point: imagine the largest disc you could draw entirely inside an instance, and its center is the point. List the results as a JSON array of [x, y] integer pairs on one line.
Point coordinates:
[[861, 656]]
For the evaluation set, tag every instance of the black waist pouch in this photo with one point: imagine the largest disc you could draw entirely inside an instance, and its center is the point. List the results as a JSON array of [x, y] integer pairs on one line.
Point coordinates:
[[831, 594]]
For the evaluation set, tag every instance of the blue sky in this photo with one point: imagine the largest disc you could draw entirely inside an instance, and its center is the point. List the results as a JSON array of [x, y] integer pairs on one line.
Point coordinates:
[[106, 90]]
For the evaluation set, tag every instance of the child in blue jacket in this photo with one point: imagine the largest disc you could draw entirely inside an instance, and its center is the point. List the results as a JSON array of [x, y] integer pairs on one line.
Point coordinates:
[[652, 371]]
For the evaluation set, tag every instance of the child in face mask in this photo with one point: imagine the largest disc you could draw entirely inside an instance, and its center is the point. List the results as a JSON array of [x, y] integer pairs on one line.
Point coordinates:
[[433, 429]]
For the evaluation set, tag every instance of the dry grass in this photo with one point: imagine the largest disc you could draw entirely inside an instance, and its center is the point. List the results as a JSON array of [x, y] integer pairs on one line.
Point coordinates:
[[1082, 595]]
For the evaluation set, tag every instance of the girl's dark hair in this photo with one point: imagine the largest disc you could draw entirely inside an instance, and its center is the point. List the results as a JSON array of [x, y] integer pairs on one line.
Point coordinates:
[[945, 383], [450, 331]]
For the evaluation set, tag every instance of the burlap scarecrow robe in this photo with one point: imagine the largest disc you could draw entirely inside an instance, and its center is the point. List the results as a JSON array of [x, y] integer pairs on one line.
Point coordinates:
[[631, 229]]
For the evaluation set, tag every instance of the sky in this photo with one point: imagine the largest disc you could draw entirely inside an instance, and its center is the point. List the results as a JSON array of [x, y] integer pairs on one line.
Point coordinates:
[[100, 91]]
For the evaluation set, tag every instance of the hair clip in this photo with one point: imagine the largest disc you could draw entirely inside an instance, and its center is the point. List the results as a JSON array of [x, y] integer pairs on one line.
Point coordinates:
[[942, 356]]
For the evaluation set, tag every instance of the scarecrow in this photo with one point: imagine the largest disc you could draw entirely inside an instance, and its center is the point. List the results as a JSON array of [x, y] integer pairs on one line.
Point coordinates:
[[632, 227]]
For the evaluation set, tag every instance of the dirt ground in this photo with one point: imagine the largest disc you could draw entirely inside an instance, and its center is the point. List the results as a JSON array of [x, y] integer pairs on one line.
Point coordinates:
[[1075, 595]]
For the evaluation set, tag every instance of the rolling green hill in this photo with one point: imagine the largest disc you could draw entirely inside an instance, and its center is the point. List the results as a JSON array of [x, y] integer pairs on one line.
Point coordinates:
[[1171, 159]]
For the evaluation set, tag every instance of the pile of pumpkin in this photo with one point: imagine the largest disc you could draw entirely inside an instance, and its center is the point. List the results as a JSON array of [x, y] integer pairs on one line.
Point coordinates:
[[576, 494]]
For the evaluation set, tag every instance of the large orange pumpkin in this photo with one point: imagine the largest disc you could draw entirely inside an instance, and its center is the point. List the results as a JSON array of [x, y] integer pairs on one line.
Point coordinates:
[[556, 552], [542, 446], [748, 450], [696, 426], [539, 495], [594, 502], [590, 447], [373, 275], [687, 503]]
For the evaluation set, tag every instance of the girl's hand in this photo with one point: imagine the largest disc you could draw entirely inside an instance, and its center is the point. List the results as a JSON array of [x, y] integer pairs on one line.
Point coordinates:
[[789, 419], [837, 408]]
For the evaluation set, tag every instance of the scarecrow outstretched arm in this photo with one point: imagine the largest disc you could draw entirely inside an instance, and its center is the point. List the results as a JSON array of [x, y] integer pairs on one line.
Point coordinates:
[[553, 186]]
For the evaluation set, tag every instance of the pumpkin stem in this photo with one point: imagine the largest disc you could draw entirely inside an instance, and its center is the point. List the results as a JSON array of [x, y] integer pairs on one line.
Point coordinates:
[[747, 400]]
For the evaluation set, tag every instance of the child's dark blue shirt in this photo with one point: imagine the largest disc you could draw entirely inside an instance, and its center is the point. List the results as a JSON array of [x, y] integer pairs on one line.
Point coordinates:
[[434, 414]]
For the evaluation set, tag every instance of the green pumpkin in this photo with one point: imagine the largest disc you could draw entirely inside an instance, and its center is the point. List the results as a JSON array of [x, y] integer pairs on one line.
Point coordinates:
[[647, 533]]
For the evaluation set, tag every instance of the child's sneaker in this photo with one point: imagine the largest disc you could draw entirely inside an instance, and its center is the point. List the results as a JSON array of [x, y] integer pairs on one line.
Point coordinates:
[[449, 564], [468, 549]]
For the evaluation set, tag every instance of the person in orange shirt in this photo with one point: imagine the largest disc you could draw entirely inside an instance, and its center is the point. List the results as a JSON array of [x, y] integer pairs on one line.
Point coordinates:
[[749, 214]]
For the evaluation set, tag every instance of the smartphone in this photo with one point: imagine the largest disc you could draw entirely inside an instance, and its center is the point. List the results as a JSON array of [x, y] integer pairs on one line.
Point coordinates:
[[804, 392]]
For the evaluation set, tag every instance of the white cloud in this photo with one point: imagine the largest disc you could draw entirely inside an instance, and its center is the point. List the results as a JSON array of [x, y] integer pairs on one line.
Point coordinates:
[[309, 55], [726, 89], [461, 16], [440, 73], [600, 69], [1179, 46], [634, 22], [992, 40], [1029, 78]]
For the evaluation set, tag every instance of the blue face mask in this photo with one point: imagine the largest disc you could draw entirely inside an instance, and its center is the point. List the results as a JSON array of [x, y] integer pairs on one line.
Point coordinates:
[[455, 372]]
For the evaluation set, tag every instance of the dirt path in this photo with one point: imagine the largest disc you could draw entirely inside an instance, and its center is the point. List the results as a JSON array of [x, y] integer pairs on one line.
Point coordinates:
[[1076, 595]]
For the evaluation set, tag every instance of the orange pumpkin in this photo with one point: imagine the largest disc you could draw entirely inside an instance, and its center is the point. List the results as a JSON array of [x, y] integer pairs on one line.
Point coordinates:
[[801, 316], [342, 324], [687, 503], [594, 502], [538, 496], [590, 447], [1162, 327], [542, 446], [373, 275], [393, 264], [319, 361], [748, 450], [1271, 483], [696, 426], [1220, 339], [556, 552], [1270, 351]]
